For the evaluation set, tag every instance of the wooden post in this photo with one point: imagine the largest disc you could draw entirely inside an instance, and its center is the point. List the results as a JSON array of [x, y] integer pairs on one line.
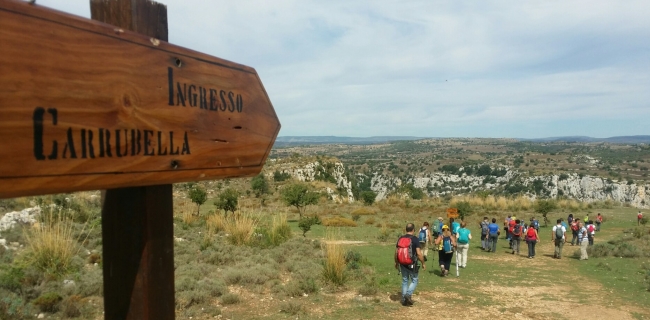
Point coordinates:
[[137, 222]]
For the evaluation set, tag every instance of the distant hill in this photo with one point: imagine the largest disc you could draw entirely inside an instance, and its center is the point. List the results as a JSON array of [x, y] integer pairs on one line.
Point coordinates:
[[618, 139], [297, 140], [304, 140]]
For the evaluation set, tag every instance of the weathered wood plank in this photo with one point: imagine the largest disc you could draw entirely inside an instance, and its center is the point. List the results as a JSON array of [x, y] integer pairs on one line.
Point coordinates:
[[104, 107]]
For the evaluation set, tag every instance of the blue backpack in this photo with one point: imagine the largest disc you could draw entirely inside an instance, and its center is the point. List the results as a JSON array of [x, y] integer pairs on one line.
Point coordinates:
[[423, 235], [446, 244]]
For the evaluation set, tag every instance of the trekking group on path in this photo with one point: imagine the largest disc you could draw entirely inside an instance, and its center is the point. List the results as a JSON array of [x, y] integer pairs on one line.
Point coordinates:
[[454, 237]]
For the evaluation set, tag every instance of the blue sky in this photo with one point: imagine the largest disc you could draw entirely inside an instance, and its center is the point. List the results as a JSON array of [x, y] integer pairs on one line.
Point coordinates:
[[525, 69]]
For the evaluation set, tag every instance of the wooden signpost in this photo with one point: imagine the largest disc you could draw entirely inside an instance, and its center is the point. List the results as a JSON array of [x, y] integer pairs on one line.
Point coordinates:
[[88, 105], [452, 213]]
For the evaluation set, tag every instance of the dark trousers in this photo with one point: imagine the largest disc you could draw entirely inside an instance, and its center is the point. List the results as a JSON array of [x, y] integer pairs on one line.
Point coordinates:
[[531, 247], [445, 258]]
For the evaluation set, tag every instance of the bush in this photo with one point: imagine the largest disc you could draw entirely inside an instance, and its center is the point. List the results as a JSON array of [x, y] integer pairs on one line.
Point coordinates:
[[305, 224], [464, 209], [545, 206], [241, 228], [198, 196], [291, 307], [368, 197], [363, 212], [644, 221], [370, 221], [227, 200], [71, 306], [339, 222], [280, 176], [259, 185], [280, 230], [230, 298], [12, 279], [47, 302]]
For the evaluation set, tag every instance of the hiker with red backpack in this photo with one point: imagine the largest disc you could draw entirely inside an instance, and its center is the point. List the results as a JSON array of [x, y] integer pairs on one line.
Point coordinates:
[[446, 244], [639, 217], [516, 232], [575, 226], [407, 254], [532, 238], [591, 232]]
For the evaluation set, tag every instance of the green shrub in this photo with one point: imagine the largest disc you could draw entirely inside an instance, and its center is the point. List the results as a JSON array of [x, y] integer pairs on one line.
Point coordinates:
[[368, 197], [545, 206], [305, 223], [71, 306], [291, 307], [11, 279], [227, 200], [230, 298], [48, 302], [13, 307], [370, 287]]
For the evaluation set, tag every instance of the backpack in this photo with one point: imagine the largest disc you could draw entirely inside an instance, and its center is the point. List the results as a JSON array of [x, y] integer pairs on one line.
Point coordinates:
[[536, 224], [446, 244], [434, 229], [530, 235], [423, 235], [516, 230], [558, 233], [591, 228], [484, 228], [575, 227], [463, 236], [404, 251]]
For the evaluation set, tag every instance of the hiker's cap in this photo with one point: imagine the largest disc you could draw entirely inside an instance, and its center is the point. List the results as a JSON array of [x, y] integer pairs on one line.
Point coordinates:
[[440, 218], [445, 227]]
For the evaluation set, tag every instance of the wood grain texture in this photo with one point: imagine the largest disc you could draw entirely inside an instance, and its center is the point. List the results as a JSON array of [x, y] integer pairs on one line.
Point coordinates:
[[101, 89]]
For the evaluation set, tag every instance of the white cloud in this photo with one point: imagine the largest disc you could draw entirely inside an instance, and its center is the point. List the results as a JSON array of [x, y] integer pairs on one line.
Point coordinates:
[[432, 68]]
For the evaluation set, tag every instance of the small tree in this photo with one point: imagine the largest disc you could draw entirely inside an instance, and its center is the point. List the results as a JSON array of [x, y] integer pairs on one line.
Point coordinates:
[[259, 185], [544, 207], [227, 200], [299, 196], [368, 197], [198, 196], [464, 209], [305, 224]]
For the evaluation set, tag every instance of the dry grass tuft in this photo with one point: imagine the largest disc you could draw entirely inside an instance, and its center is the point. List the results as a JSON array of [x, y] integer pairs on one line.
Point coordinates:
[[334, 269], [52, 245], [216, 223], [339, 222], [241, 227], [363, 212]]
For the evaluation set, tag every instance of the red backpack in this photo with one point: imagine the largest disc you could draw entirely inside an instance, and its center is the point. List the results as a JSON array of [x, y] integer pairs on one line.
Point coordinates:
[[530, 234], [591, 228], [404, 251]]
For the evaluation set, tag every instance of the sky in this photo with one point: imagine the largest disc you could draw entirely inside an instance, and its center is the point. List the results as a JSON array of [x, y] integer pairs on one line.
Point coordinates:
[[492, 69]]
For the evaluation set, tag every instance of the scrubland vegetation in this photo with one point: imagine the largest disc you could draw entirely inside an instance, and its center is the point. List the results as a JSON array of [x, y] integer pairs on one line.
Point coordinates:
[[272, 246]]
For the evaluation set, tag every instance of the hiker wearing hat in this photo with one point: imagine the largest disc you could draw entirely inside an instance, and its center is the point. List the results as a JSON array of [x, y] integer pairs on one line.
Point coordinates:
[[445, 244], [440, 224]]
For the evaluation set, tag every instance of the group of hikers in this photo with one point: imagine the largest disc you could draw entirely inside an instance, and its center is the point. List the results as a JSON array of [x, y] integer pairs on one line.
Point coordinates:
[[454, 237]]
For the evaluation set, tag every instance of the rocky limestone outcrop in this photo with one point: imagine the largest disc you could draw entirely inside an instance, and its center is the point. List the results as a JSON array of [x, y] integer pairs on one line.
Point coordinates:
[[309, 171]]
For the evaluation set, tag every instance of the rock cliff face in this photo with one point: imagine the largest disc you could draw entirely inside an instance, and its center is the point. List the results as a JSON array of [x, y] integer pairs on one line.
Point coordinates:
[[582, 188], [333, 172]]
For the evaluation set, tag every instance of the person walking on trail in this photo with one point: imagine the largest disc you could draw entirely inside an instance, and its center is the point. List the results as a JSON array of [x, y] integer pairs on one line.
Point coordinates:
[[517, 231], [462, 239], [574, 231], [532, 238], [506, 227], [511, 226], [534, 223], [639, 217], [599, 221], [484, 233], [591, 232], [446, 243], [558, 236], [455, 225], [441, 223], [569, 219], [493, 235], [407, 254], [424, 237], [583, 239]]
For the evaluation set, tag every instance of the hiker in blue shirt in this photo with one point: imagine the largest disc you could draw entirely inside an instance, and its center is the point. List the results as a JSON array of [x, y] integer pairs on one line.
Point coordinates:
[[493, 235], [454, 226]]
